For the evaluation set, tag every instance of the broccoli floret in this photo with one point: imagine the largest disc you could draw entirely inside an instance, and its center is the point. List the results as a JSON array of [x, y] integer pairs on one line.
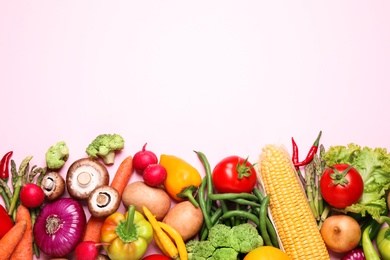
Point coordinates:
[[220, 235], [247, 237], [224, 253], [225, 242], [57, 155], [105, 146]]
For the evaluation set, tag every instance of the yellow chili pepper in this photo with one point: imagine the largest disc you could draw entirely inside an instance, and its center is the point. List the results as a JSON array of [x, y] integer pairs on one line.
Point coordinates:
[[181, 246], [163, 239], [182, 178]]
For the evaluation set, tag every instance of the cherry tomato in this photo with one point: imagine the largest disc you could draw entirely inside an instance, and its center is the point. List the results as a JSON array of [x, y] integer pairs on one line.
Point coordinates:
[[234, 174], [32, 195], [266, 253], [156, 257], [341, 185]]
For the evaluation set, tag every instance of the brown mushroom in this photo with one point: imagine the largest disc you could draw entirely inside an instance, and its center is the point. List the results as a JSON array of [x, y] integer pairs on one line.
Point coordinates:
[[103, 201], [85, 175], [53, 185]]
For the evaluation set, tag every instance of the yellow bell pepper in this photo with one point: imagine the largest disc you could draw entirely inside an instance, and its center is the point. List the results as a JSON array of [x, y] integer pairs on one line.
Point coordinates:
[[127, 235], [182, 178]]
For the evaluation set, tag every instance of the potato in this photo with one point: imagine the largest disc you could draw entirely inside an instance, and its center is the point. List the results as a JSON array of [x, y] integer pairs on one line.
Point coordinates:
[[185, 218], [155, 199]]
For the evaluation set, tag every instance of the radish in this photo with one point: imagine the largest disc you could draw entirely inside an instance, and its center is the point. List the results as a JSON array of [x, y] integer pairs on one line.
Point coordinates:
[[154, 175], [87, 250], [32, 195], [143, 158]]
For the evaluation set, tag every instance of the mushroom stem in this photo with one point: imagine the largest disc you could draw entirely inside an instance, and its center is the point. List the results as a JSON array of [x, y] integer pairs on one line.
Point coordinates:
[[103, 199], [48, 183], [84, 178]]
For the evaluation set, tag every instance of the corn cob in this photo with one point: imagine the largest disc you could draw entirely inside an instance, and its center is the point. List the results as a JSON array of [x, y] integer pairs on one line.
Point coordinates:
[[290, 212]]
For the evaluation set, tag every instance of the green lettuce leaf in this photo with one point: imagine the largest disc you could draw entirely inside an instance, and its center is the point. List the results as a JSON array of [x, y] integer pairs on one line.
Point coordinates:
[[374, 167]]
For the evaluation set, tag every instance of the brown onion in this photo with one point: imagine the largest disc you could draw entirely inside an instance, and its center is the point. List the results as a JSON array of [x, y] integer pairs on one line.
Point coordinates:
[[59, 227], [341, 233]]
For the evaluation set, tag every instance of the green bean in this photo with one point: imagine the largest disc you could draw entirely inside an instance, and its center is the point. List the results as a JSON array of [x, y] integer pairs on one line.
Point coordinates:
[[270, 228], [241, 214], [233, 196], [214, 219], [202, 203], [210, 187], [263, 223], [260, 196], [246, 202]]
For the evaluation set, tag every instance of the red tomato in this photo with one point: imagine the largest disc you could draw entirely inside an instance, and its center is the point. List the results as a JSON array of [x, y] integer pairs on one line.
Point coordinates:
[[32, 195], [234, 174], [341, 185], [156, 257]]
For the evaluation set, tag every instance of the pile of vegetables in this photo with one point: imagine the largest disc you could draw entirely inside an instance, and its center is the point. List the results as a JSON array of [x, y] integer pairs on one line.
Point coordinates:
[[347, 189]]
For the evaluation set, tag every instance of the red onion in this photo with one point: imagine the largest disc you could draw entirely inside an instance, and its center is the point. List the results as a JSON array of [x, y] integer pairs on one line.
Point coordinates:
[[354, 254], [59, 227]]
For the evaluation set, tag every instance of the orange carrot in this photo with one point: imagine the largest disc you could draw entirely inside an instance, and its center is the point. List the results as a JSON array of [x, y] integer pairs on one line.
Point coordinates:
[[11, 239], [119, 182], [122, 175], [24, 249]]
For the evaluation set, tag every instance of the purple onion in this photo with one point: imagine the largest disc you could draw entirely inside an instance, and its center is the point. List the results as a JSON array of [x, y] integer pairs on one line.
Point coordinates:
[[59, 227], [354, 254]]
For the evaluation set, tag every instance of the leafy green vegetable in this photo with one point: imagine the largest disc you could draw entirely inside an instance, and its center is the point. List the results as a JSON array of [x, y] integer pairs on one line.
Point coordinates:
[[373, 164]]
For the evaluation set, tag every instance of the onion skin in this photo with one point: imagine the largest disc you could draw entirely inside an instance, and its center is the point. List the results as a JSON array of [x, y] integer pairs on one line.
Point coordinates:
[[68, 222]]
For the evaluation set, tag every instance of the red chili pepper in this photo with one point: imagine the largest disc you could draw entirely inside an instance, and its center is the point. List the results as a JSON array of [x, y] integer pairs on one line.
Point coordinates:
[[6, 222], [295, 155], [4, 165], [311, 153]]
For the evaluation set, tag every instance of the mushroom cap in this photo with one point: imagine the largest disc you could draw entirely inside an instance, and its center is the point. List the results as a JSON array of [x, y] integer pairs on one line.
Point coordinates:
[[84, 175], [53, 185], [103, 201]]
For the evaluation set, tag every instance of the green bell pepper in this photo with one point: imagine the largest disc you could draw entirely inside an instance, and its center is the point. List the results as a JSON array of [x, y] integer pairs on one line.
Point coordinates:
[[127, 235], [383, 239]]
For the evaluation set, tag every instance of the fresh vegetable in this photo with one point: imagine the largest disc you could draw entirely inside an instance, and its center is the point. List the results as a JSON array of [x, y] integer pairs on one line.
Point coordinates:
[[341, 185], [375, 226], [87, 250], [341, 233], [103, 201], [182, 178], [119, 182], [266, 253], [234, 174], [177, 238], [354, 254], [57, 155], [6, 222], [32, 195], [11, 239], [56, 223], [144, 158], [53, 185], [128, 235], [311, 153], [24, 249], [383, 239], [179, 217], [300, 238], [225, 242], [84, 175], [105, 146], [154, 175], [4, 165], [374, 167], [163, 240], [156, 257], [139, 194], [369, 250]]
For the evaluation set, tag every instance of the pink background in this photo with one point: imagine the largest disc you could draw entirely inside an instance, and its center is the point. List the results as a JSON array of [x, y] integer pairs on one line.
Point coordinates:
[[221, 77]]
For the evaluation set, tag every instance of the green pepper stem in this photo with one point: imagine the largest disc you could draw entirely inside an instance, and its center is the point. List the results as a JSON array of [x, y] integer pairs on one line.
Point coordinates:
[[127, 229], [383, 219]]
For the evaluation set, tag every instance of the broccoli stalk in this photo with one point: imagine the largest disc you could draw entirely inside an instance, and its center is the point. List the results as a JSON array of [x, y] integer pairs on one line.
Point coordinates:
[[105, 146], [57, 155]]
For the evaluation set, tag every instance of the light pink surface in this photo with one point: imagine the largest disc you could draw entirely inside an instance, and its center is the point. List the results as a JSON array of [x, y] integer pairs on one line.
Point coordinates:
[[222, 77]]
